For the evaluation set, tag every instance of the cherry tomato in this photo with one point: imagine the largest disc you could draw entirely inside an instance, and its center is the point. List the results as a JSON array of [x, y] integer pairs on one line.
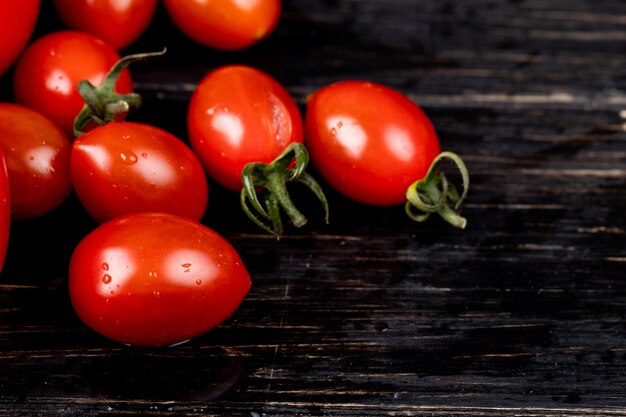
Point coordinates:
[[369, 141], [5, 209], [128, 167], [225, 24], [37, 154], [155, 279], [238, 115], [48, 72], [17, 22], [376, 146], [119, 23]]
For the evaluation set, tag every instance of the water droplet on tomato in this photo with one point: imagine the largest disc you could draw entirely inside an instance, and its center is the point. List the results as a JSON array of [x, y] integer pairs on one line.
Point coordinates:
[[186, 266], [333, 131], [105, 266], [156, 293], [106, 278], [198, 281], [144, 155], [128, 157], [339, 125]]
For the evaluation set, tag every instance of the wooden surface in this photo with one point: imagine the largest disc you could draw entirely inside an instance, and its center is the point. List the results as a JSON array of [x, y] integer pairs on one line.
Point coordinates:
[[521, 314]]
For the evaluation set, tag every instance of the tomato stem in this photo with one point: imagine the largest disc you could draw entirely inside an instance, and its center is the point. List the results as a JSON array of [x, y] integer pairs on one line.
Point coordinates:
[[434, 194], [102, 103], [272, 180]]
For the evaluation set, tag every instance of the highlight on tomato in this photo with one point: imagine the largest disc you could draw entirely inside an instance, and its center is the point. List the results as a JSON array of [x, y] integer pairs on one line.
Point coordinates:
[[127, 167], [376, 146], [47, 74], [17, 23], [225, 24], [155, 279], [247, 131], [118, 23], [37, 154]]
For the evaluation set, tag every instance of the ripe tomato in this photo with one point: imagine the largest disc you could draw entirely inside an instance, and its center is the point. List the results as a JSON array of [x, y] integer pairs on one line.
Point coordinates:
[[371, 143], [225, 24], [5, 209], [155, 279], [238, 115], [37, 154], [47, 73], [247, 131], [128, 167], [118, 23], [17, 22]]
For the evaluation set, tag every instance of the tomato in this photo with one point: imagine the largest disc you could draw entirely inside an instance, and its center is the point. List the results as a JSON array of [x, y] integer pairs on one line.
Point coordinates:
[[225, 24], [128, 167], [17, 23], [371, 143], [37, 155], [119, 23], [47, 74], [237, 115], [247, 131], [155, 279], [5, 209]]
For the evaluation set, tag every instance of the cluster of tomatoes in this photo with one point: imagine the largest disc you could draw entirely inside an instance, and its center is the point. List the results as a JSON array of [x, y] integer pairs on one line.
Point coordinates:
[[66, 132]]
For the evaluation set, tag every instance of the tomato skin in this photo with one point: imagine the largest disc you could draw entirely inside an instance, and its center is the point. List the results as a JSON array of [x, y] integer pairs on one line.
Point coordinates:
[[155, 279], [117, 23], [17, 23], [127, 167], [238, 115], [225, 24], [37, 154], [369, 141], [47, 73]]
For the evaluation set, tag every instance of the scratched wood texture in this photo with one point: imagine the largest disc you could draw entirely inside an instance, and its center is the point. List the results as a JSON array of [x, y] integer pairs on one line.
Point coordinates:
[[521, 314]]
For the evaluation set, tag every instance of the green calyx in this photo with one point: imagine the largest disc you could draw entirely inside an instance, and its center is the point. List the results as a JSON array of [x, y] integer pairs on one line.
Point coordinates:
[[102, 103], [434, 194], [271, 181]]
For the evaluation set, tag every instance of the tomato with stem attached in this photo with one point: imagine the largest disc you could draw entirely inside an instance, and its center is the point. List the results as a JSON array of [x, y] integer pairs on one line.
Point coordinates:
[[247, 131], [128, 167], [37, 154], [155, 279], [48, 72], [225, 24], [376, 146], [17, 23], [118, 23]]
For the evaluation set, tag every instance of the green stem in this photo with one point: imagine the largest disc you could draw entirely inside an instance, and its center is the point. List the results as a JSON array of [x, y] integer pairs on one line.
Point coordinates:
[[434, 194], [271, 180], [102, 103]]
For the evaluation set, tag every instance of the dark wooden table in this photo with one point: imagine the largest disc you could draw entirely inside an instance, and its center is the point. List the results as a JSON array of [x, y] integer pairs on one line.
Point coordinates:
[[521, 314]]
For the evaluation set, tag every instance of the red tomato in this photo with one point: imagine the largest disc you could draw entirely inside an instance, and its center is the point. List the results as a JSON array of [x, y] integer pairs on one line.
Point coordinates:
[[369, 141], [225, 24], [119, 23], [376, 146], [17, 22], [155, 279], [47, 73], [239, 115], [5, 209], [37, 154], [127, 167]]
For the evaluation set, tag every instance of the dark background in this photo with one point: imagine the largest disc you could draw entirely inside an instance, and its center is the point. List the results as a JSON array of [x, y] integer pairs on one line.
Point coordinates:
[[522, 313]]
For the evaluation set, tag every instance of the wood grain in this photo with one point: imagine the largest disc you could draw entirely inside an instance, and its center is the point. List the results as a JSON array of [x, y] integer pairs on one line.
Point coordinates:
[[521, 314]]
